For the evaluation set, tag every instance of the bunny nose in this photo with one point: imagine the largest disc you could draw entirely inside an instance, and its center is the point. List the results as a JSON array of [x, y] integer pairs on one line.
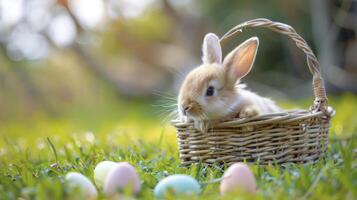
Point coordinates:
[[187, 109]]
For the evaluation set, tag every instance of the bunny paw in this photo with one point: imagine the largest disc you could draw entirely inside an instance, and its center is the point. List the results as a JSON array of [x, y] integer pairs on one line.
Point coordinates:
[[249, 111]]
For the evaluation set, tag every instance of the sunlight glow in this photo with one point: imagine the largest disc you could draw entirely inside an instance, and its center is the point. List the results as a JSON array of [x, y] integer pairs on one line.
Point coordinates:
[[25, 44], [62, 30], [11, 11], [89, 13], [38, 13]]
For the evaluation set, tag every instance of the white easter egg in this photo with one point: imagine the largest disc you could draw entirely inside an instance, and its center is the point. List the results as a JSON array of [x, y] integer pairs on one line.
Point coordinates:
[[122, 176], [101, 171], [179, 184], [77, 180], [238, 177]]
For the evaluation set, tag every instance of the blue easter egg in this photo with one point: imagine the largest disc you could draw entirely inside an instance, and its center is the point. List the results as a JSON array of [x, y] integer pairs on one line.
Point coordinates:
[[179, 184]]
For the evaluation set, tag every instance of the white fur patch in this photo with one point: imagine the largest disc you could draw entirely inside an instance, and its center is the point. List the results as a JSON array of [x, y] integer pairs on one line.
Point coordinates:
[[211, 49]]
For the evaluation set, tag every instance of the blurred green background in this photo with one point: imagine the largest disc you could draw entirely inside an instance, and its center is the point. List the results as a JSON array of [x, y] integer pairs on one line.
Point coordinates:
[[101, 66], [83, 81]]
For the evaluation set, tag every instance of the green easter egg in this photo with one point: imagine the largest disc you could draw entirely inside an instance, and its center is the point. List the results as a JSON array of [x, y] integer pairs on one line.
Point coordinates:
[[101, 171], [86, 188], [180, 185]]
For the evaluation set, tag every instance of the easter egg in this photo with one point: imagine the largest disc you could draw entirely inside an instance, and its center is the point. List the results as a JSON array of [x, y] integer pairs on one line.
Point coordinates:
[[238, 177], [178, 184], [101, 171], [122, 176], [85, 186]]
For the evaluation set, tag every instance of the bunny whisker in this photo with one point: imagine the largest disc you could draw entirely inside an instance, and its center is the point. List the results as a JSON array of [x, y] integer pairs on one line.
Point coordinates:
[[172, 115]]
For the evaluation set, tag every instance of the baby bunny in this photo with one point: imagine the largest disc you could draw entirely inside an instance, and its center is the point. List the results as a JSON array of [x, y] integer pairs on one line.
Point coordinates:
[[212, 90]]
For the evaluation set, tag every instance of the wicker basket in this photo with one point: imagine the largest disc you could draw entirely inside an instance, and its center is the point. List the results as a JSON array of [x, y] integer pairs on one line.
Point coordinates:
[[297, 136]]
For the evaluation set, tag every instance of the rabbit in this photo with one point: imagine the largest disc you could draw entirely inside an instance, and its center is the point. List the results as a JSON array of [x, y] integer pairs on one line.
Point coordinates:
[[212, 91]]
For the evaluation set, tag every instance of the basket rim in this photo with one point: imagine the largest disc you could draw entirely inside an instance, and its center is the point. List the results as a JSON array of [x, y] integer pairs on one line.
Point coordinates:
[[282, 117]]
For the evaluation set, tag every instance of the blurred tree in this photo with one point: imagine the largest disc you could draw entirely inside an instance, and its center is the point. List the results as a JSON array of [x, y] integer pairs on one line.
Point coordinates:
[[334, 28]]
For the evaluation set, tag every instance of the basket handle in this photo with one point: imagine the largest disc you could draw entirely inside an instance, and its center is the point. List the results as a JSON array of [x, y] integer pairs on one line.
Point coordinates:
[[320, 103]]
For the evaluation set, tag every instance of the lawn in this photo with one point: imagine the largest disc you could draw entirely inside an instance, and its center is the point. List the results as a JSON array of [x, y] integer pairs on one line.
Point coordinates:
[[37, 152]]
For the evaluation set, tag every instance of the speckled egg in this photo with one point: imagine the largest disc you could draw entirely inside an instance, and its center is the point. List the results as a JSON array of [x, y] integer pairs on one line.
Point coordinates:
[[101, 171], [178, 184], [77, 180], [238, 177], [122, 176]]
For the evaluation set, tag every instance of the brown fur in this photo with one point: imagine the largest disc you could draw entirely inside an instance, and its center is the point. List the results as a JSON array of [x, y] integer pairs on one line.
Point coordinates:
[[227, 99]]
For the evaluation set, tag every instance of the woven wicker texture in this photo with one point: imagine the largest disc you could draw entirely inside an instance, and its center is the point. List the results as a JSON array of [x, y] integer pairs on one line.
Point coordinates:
[[293, 136]]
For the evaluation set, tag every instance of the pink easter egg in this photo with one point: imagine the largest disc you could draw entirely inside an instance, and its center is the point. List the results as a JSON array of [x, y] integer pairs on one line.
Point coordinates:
[[238, 177], [120, 177]]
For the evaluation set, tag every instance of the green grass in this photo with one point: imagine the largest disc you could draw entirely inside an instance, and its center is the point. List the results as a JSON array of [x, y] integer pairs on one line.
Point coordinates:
[[36, 153]]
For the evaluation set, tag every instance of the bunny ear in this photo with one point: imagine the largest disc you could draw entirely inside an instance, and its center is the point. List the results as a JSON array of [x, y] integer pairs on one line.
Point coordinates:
[[211, 49], [240, 61]]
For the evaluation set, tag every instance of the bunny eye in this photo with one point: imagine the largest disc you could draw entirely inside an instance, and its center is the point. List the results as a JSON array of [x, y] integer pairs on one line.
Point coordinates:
[[210, 91]]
